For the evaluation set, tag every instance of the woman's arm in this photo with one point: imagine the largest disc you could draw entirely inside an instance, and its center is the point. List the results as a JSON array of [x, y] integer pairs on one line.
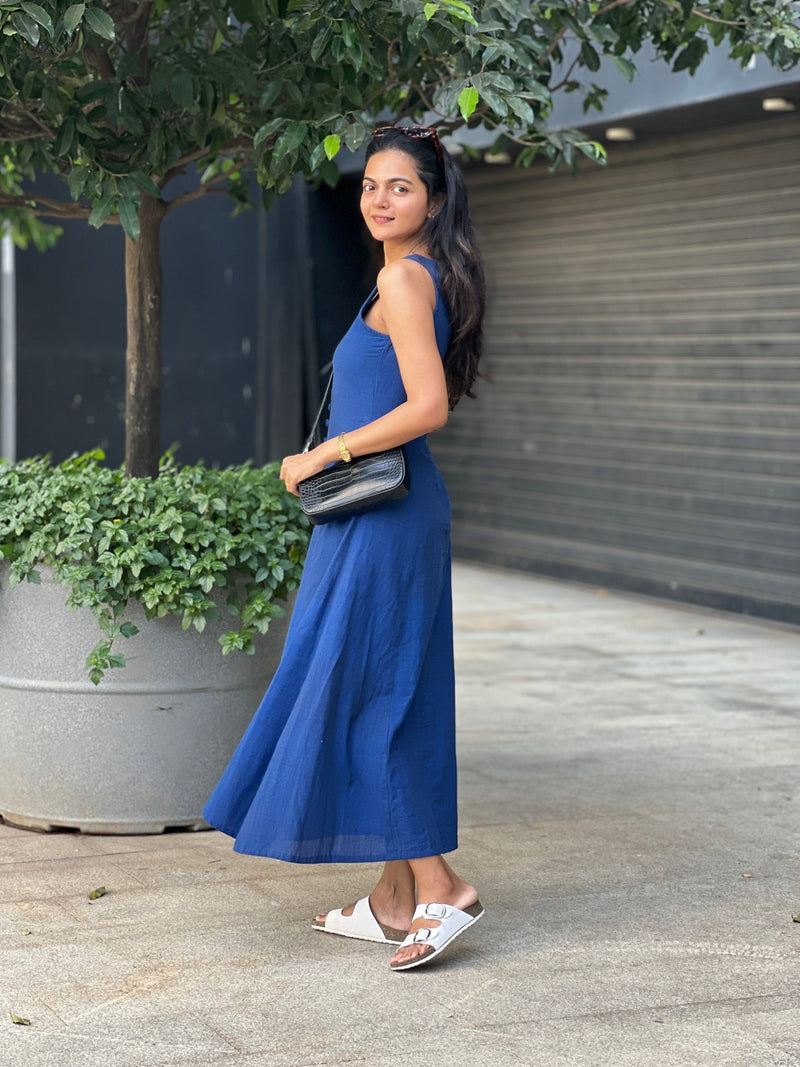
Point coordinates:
[[405, 312]]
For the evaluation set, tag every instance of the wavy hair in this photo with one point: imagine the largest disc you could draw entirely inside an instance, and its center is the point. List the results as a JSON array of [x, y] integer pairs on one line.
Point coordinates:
[[450, 238]]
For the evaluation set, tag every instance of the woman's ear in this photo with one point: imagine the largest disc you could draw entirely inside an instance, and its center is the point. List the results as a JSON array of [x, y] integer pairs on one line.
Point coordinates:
[[436, 205]]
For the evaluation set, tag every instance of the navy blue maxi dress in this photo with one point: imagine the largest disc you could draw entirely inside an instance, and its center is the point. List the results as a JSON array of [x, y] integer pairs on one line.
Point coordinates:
[[351, 755]]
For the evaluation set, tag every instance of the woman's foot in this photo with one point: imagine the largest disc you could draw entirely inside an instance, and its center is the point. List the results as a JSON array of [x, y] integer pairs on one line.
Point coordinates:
[[437, 883], [393, 924], [450, 923], [359, 921], [392, 901]]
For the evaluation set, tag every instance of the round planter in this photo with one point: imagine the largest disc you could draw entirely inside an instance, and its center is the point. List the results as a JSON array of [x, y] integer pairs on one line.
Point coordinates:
[[138, 753]]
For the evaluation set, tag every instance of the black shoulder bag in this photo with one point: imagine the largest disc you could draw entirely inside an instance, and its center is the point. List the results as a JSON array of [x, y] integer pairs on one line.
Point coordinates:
[[345, 489]]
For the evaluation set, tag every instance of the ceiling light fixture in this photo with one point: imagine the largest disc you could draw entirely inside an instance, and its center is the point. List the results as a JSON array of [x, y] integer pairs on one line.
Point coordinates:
[[620, 133], [777, 103]]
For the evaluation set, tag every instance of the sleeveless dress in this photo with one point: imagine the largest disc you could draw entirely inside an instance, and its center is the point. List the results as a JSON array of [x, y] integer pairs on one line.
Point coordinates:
[[351, 755]]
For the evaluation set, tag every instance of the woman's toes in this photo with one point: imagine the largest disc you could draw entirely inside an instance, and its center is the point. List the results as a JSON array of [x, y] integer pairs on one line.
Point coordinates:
[[408, 953]]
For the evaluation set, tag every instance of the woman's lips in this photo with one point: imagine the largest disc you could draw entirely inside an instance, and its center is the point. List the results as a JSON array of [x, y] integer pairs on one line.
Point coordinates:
[[382, 218]]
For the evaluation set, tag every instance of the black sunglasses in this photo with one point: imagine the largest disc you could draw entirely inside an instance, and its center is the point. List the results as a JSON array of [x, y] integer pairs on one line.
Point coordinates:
[[416, 133]]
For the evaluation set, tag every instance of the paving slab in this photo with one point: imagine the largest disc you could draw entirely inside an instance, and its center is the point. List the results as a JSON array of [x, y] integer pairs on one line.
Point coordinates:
[[628, 775]]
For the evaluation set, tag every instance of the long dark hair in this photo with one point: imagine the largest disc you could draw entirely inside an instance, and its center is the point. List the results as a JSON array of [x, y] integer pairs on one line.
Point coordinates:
[[451, 240]]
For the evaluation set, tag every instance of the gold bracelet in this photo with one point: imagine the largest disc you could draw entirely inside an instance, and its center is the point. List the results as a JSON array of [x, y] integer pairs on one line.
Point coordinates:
[[344, 451]]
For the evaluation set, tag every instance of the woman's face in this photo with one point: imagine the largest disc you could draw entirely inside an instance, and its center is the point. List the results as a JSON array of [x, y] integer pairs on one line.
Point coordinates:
[[394, 199]]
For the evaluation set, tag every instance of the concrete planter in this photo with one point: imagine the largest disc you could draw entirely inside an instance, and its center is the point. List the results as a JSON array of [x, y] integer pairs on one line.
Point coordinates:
[[136, 754]]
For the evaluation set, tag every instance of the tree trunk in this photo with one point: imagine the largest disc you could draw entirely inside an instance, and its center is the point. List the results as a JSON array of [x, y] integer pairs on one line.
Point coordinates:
[[143, 353]]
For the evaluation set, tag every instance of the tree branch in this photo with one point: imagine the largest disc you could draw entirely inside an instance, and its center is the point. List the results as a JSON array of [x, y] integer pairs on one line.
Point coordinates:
[[15, 138], [555, 42], [17, 108], [565, 80], [698, 11], [615, 3], [423, 96], [98, 60], [236, 144], [44, 206], [133, 15], [195, 194], [706, 17]]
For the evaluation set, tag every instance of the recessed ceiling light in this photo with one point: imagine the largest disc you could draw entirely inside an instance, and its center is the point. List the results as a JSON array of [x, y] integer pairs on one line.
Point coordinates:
[[620, 133], [777, 103]]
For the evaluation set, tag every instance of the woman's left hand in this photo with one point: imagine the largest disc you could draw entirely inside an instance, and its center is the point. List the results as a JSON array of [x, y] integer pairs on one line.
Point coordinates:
[[296, 469]]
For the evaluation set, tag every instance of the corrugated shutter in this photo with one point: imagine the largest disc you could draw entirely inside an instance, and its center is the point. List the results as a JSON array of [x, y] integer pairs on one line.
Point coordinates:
[[639, 423]]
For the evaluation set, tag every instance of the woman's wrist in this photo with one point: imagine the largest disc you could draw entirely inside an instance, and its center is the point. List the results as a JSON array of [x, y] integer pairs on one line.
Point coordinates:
[[328, 451]]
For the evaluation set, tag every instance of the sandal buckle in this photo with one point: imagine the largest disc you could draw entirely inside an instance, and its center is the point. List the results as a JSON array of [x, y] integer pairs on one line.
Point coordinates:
[[435, 911]]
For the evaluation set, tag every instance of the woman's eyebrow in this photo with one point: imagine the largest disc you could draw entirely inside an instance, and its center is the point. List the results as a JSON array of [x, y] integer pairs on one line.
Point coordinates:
[[408, 181]]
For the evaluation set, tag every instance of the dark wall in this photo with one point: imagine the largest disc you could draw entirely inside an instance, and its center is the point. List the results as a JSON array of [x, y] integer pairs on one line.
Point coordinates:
[[344, 260], [71, 337], [253, 307]]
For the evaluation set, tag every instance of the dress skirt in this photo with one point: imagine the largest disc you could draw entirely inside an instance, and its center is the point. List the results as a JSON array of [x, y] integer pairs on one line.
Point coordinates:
[[351, 755]]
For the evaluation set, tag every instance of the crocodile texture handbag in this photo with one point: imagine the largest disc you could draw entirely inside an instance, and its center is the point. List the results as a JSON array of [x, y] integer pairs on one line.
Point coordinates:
[[345, 489]]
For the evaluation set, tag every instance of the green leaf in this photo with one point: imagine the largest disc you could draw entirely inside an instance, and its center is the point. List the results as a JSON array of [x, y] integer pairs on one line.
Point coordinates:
[[691, 56], [156, 144], [65, 137], [332, 143], [18, 1019], [467, 101], [291, 139], [101, 22], [129, 217], [39, 14], [145, 183], [430, 10], [625, 67], [72, 17], [593, 150], [26, 27], [181, 88], [460, 10], [589, 57], [101, 210], [95, 894], [266, 131], [522, 109], [319, 44]]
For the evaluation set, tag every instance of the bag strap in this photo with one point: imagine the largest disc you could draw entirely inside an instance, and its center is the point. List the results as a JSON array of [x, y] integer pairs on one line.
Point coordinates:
[[312, 436]]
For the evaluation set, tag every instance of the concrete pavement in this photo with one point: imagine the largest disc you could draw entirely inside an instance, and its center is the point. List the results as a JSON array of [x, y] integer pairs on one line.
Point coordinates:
[[629, 813]]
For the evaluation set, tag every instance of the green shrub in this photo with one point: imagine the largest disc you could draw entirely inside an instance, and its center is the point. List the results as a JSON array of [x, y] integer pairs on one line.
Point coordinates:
[[169, 543]]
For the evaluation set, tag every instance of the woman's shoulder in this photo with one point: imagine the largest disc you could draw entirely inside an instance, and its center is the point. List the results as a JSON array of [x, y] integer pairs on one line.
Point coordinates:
[[406, 277]]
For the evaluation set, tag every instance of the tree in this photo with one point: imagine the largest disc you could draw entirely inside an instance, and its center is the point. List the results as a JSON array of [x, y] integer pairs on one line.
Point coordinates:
[[120, 97]]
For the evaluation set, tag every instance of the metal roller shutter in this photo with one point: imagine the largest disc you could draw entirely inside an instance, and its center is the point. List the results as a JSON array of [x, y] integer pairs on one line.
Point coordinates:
[[639, 420]]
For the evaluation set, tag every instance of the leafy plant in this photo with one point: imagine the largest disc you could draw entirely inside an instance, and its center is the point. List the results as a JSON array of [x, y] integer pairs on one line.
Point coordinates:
[[193, 542]]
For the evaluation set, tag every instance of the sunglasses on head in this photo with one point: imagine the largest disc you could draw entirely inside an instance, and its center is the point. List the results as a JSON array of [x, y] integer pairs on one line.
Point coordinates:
[[416, 133]]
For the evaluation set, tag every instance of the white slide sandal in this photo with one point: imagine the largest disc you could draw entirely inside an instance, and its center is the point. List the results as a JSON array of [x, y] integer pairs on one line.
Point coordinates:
[[361, 925], [452, 922]]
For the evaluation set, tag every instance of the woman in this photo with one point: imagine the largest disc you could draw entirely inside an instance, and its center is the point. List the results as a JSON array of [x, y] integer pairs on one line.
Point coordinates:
[[351, 756]]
